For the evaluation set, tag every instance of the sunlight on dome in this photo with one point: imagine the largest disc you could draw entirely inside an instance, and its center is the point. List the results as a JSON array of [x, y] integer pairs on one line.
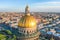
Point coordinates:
[[32, 23]]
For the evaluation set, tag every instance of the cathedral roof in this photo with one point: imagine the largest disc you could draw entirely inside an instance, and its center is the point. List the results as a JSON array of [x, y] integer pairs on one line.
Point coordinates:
[[28, 20]]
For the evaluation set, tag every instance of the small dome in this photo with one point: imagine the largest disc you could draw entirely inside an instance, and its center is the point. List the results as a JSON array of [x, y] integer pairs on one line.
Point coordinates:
[[27, 22]]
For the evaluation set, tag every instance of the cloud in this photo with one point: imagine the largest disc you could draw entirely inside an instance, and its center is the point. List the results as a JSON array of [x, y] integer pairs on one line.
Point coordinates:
[[46, 4], [46, 7]]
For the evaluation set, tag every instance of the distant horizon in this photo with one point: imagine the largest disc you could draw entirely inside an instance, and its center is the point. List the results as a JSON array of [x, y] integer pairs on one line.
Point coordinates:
[[37, 12], [35, 5]]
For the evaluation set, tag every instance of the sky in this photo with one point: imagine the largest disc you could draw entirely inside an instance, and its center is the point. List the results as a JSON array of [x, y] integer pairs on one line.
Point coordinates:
[[35, 5]]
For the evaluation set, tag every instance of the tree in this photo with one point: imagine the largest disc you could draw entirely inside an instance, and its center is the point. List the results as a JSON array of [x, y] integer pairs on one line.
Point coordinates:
[[2, 37], [14, 37], [8, 32]]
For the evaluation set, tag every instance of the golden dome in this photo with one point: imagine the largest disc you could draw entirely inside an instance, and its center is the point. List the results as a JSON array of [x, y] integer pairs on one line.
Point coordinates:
[[27, 22]]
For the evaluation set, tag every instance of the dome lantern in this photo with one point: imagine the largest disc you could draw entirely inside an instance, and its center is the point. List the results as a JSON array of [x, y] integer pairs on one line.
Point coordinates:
[[27, 10]]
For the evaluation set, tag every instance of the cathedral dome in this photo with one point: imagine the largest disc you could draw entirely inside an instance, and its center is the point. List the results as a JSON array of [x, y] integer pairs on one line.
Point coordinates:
[[27, 21]]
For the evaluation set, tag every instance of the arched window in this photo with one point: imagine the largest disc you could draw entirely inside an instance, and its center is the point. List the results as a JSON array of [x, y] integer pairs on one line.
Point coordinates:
[[27, 32], [30, 31], [24, 31]]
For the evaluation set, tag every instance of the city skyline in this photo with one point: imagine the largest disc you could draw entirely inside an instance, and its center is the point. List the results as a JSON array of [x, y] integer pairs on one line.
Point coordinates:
[[29, 26], [35, 5]]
